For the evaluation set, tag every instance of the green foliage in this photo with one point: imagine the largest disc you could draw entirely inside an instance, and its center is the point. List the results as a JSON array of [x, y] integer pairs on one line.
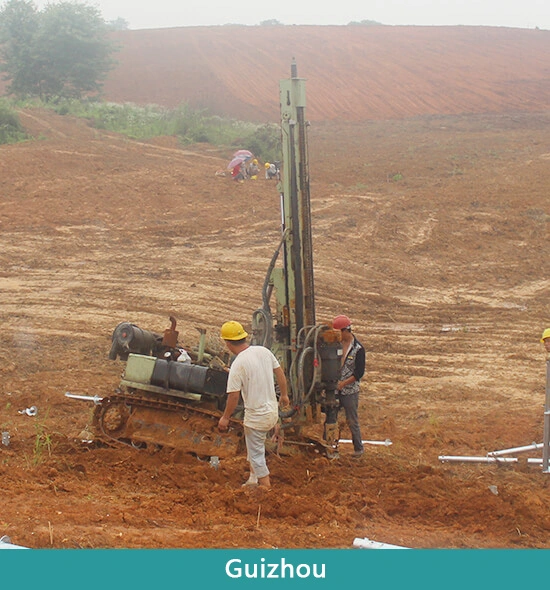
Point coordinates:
[[271, 22], [366, 22], [62, 51], [43, 444], [119, 24], [189, 125], [265, 142], [11, 130], [18, 23]]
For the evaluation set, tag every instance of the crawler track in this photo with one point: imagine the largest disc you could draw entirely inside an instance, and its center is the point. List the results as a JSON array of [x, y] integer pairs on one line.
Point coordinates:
[[139, 419]]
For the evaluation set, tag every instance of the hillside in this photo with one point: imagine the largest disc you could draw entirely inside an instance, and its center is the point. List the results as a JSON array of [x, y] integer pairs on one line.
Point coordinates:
[[428, 231], [354, 73], [443, 269]]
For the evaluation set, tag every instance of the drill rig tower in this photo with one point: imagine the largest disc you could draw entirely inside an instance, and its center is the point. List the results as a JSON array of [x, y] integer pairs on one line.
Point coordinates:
[[309, 353]]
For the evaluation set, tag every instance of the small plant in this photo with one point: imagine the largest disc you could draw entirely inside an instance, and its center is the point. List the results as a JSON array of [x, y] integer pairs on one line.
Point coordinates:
[[433, 421], [394, 177], [42, 443]]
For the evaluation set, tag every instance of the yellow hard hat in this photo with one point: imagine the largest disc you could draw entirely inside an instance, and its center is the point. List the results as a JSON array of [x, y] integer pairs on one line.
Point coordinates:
[[545, 335], [232, 331], [267, 164]]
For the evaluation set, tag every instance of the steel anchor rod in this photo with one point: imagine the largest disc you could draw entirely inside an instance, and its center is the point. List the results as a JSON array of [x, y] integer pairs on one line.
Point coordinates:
[[466, 459], [530, 447], [85, 398]]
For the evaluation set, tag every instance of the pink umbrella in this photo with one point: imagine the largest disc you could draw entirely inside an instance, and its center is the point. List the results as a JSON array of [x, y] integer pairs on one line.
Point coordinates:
[[237, 160], [243, 153]]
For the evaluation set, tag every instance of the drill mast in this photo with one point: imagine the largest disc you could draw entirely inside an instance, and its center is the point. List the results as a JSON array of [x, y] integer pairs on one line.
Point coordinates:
[[310, 354]]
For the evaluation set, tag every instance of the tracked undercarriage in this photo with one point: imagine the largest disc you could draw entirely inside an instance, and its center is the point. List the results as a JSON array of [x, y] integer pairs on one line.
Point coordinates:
[[140, 419], [148, 421]]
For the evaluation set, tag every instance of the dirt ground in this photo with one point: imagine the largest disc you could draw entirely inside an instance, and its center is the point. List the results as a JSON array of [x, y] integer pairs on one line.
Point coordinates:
[[354, 73], [429, 232]]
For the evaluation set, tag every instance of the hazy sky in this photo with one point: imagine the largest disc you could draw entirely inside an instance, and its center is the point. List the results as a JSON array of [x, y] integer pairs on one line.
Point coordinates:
[[153, 14]]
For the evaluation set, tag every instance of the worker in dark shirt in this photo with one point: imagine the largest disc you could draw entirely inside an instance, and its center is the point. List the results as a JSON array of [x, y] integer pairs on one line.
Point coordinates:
[[353, 369]]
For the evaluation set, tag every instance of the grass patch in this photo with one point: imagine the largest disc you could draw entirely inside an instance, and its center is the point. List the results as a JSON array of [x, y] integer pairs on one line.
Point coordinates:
[[11, 130], [43, 444], [188, 125]]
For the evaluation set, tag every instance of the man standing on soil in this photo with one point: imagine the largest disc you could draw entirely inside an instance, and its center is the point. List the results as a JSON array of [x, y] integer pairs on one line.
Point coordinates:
[[251, 374], [545, 339], [353, 369]]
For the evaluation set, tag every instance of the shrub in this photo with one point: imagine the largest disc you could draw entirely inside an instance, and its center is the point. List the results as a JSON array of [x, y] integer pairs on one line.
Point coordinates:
[[188, 124], [11, 130]]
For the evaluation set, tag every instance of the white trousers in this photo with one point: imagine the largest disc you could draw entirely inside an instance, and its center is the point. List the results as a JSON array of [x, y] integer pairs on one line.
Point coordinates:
[[255, 451]]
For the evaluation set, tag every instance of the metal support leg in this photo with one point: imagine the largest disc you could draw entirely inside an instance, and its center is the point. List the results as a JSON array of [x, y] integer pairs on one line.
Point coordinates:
[[546, 435]]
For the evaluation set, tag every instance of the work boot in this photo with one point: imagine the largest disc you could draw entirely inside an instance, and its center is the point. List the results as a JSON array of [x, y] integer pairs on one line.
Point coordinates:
[[251, 481], [357, 454]]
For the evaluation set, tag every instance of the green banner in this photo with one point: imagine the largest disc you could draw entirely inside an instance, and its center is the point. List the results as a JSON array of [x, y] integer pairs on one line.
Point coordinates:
[[106, 569]]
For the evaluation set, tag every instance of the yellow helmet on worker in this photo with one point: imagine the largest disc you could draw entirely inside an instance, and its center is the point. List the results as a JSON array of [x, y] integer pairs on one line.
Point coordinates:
[[267, 165], [545, 335], [233, 331]]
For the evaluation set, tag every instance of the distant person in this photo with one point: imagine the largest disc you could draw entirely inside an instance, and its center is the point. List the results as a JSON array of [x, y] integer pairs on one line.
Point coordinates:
[[253, 169], [251, 375], [237, 173], [271, 171], [545, 339], [351, 372]]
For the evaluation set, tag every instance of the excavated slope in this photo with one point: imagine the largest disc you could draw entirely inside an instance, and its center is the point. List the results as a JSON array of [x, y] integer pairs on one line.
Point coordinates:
[[354, 73]]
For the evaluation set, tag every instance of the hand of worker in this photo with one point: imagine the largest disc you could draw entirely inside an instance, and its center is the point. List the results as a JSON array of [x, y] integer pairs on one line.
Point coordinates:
[[223, 424], [276, 433], [284, 400]]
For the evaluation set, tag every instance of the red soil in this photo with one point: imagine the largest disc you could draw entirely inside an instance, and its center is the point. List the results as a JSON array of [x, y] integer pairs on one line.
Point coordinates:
[[429, 231]]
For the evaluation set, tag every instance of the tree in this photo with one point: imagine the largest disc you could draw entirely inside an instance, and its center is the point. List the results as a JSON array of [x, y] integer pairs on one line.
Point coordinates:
[[368, 23], [63, 51], [18, 25], [119, 24]]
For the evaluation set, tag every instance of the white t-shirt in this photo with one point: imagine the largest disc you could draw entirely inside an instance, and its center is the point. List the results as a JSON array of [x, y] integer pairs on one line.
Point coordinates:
[[251, 373]]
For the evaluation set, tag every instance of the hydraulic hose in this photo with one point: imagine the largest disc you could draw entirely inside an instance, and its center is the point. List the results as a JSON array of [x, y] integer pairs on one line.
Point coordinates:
[[265, 311], [297, 369], [266, 321], [265, 288]]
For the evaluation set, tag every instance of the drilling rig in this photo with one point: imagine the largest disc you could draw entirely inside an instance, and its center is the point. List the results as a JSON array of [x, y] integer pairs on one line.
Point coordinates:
[[309, 353], [164, 402]]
